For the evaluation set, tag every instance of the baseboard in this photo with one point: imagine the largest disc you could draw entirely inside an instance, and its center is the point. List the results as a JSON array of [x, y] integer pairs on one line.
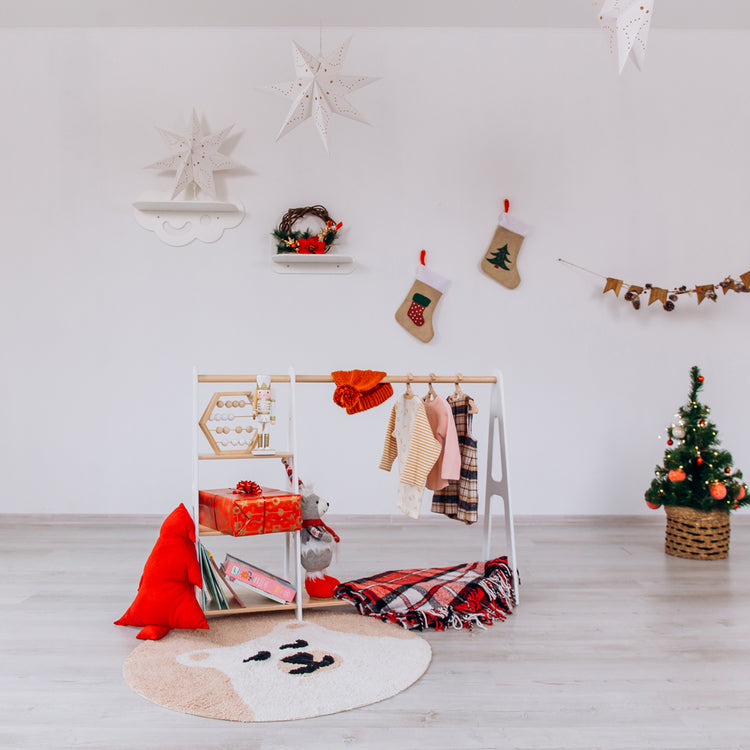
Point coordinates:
[[429, 519]]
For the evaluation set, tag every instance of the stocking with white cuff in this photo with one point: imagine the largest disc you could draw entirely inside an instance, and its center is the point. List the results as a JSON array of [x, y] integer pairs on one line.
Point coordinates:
[[417, 310], [500, 260]]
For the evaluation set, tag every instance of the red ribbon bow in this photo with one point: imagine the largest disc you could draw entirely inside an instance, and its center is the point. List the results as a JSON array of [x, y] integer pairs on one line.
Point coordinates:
[[248, 488]]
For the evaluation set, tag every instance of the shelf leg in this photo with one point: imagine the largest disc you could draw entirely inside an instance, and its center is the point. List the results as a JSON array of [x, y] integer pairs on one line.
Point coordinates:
[[287, 553], [300, 577]]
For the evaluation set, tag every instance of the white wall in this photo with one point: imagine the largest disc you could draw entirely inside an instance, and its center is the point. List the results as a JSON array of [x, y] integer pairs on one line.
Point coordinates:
[[641, 176]]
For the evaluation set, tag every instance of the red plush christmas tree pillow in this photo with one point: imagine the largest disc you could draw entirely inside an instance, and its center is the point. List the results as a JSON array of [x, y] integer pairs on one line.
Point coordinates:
[[166, 597]]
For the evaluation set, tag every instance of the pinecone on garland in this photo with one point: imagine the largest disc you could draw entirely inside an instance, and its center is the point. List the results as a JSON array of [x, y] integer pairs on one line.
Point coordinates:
[[696, 473]]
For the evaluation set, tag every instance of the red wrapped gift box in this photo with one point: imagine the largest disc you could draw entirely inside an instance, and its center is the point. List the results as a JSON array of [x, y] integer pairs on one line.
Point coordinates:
[[243, 515]]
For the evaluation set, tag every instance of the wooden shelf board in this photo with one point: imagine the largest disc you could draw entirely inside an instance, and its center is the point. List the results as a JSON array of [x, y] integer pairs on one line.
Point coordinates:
[[208, 531], [267, 605], [224, 457]]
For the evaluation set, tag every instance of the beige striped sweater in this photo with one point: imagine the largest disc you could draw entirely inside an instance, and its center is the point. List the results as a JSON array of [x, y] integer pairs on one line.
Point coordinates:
[[410, 438]]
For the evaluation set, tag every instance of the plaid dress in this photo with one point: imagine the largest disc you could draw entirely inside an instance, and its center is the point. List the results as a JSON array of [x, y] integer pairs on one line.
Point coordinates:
[[460, 499]]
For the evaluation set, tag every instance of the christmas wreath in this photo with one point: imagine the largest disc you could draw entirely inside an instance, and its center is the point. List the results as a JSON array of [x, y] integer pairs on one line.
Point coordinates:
[[290, 240]]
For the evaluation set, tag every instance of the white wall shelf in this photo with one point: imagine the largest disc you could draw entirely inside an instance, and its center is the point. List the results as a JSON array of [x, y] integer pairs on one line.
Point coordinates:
[[326, 263], [182, 206], [179, 222]]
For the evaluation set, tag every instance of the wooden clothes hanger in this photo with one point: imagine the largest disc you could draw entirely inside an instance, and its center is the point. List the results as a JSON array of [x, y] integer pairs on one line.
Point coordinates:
[[431, 394], [409, 393], [459, 394]]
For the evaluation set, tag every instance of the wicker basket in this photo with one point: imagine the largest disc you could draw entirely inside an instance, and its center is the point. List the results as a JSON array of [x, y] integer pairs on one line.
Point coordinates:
[[696, 534]]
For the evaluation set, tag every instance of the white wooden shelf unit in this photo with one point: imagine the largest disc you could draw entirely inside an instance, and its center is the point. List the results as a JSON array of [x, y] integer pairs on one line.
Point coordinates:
[[253, 603]]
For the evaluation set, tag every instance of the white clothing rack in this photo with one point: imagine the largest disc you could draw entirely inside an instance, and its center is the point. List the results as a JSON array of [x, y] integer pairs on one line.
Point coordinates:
[[496, 484]]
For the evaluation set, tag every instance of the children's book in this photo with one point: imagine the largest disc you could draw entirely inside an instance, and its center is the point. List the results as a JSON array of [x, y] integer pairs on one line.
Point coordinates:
[[219, 575], [212, 590], [214, 584], [257, 579]]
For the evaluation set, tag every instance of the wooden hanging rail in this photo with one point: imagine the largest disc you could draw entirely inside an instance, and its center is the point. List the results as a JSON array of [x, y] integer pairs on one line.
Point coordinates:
[[458, 377]]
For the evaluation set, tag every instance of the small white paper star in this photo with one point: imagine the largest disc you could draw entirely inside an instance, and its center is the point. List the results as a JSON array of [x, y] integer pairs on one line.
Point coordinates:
[[319, 90], [628, 23], [195, 157]]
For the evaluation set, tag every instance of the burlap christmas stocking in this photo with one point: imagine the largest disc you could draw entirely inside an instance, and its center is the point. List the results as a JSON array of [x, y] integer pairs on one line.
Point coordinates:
[[417, 310], [501, 258]]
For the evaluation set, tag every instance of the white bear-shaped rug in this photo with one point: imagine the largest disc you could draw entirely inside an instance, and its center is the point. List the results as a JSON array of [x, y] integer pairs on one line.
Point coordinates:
[[273, 668]]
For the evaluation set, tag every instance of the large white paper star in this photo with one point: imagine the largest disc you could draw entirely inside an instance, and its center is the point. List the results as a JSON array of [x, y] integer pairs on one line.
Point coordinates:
[[627, 23], [195, 157], [319, 90]]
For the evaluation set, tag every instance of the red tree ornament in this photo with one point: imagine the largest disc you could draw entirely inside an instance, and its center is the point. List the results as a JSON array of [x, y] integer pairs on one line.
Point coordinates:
[[676, 475], [653, 506], [718, 491], [740, 492]]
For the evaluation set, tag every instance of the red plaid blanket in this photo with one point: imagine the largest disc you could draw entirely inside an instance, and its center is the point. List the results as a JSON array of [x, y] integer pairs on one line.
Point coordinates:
[[478, 593]]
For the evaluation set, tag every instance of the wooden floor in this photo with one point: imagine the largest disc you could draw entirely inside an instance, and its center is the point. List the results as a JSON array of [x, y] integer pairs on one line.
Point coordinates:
[[614, 645]]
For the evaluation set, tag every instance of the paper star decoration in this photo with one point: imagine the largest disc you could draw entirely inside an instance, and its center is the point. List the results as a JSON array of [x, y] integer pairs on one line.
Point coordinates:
[[627, 22], [319, 90], [195, 157]]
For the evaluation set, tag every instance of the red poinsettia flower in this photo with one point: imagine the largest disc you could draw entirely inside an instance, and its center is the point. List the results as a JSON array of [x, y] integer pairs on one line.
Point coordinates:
[[311, 246]]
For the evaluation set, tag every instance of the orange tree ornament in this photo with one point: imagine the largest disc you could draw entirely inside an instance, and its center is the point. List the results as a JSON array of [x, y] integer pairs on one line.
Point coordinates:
[[709, 482], [677, 475], [718, 491]]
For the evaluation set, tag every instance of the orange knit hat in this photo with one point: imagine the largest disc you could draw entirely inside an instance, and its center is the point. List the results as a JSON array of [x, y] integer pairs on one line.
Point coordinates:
[[358, 390]]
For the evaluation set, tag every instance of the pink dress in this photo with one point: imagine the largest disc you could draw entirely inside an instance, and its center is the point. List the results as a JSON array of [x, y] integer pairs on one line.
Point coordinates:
[[443, 425]]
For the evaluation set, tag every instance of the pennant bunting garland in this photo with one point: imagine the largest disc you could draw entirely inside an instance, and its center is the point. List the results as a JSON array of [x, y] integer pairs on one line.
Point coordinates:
[[615, 285], [668, 297], [658, 295], [705, 290]]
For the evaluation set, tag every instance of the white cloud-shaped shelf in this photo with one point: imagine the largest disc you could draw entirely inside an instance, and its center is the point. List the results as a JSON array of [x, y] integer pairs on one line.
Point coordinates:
[[178, 223]]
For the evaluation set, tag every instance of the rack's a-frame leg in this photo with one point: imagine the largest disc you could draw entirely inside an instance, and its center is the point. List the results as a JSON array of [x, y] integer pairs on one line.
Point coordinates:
[[496, 480]]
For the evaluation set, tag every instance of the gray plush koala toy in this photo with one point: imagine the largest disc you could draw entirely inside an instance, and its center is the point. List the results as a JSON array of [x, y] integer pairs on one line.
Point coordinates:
[[318, 543]]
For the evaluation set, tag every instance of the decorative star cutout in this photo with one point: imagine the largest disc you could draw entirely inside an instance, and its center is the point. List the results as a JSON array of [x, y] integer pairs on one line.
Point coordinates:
[[319, 90], [195, 157], [627, 23]]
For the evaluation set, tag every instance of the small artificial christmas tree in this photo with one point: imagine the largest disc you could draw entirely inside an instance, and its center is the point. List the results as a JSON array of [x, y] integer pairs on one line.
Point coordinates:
[[696, 473]]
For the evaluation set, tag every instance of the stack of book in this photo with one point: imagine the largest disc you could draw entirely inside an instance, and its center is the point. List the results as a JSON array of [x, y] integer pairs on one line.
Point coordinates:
[[217, 592]]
